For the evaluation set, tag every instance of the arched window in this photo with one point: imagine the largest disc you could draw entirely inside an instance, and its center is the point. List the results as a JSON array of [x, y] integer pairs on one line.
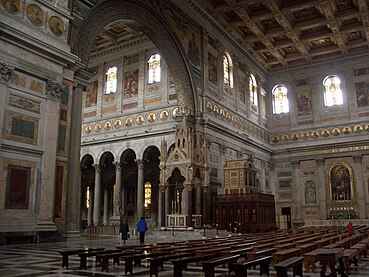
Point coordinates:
[[227, 70], [147, 203], [111, 80], [253, 91], [332, 91], [280, 100], [154, 69]]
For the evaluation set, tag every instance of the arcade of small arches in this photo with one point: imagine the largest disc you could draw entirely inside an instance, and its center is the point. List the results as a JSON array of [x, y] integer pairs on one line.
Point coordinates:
[[129, 186]]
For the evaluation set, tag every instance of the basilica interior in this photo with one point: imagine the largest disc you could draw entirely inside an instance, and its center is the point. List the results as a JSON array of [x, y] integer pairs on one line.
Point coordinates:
[[187, 113]]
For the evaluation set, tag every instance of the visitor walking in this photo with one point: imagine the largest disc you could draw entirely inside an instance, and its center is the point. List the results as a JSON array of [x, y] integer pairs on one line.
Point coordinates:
[[142, 228]]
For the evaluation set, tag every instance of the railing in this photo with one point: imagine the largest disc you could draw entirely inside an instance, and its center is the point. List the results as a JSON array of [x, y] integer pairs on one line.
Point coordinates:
[[103, 230]]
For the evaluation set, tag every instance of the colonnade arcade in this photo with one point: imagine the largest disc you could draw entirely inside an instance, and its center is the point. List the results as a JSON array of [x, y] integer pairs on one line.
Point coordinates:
[[130, 187]]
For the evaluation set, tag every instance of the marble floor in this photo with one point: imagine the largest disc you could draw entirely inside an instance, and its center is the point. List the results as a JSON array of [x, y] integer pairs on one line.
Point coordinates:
[[43, 259]]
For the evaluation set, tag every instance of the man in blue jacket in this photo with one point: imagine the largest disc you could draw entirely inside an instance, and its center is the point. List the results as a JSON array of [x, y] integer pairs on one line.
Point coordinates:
[[142, 228]]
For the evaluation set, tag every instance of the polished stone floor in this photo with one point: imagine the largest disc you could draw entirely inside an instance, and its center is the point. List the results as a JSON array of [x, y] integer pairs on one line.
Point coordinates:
[[43, 259]]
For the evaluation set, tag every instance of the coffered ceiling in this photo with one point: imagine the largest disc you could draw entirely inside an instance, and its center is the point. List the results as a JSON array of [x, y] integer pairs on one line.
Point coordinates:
[[279, 34], [282, 34]]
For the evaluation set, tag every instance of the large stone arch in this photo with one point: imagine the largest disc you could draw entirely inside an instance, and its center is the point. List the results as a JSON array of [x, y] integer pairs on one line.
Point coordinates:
[[141, 15]]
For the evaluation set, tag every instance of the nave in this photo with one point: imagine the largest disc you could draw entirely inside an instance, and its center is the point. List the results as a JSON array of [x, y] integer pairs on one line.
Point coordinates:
[[44, 259]]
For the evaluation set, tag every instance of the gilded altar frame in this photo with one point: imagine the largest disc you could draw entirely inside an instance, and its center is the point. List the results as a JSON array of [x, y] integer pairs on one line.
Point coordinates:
[[342, 168]]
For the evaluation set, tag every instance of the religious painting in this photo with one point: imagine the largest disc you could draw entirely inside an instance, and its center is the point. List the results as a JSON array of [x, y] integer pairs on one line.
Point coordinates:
[[57, 26], [242, 89], [139, 119], [341, 179], [151, 117], [187, 33], [193, 51], [212, 68], [35, 14], [17, 187], [362, 94], [303, 103], [131, 84], [164, 114], [12, 6], [310, 192]]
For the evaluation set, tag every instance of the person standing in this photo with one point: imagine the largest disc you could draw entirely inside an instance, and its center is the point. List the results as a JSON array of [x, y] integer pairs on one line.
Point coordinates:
[[350, 228], [142, 228], [124, 229]]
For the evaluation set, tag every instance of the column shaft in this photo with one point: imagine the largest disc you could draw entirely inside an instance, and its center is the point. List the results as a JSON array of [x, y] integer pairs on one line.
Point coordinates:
[[321, 189], [118, 194], [106, 206], [360, 190], [97, 196], [140, 189]]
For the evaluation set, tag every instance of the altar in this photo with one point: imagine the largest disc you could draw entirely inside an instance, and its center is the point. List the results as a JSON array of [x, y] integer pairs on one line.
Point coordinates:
[[180, 220]]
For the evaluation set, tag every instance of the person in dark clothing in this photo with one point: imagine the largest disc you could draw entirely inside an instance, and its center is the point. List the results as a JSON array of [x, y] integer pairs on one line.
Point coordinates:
[[142, 228], [124, 229]]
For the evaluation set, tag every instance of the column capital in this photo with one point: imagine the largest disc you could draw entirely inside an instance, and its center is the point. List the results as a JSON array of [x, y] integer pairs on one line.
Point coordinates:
[[5, 73], [53, 90], [188, 186], [118, 166], [140, 163], [162, 187], [97, 168], [205, 188], [296, 164]]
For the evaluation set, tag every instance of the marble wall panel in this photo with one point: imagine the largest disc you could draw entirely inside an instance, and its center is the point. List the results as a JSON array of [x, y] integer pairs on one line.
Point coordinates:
[[22, 128]]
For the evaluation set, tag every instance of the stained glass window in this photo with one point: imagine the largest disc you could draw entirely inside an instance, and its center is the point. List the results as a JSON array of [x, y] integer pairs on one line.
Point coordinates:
[[253, 90], [154, 69], [280, 100], [111, 80], [332, 91], [147, 203], [227, 70]]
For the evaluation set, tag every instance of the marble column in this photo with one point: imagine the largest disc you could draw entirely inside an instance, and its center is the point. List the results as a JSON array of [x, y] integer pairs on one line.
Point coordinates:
[[140, 188], [106, 206], [50, 138], [73, 180], [167, 205], [118, 209], [189, 188], [161, 205], [5, 73], [297, 193], [360, 190], [204, 205], [97, 196], [198, 199], [321, 188]]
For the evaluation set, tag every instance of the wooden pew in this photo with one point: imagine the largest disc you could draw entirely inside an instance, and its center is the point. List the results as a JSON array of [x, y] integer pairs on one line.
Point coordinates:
[[180, 264], [68, 252], [115, 255], [129, 259], [240, 269], [350, 256], [310, 258], [157, 261], [279, 256], [209, 266], [295, 263], [84, 255]]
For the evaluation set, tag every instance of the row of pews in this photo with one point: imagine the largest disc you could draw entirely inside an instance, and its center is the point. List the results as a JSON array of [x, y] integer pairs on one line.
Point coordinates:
[[285, 250]]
